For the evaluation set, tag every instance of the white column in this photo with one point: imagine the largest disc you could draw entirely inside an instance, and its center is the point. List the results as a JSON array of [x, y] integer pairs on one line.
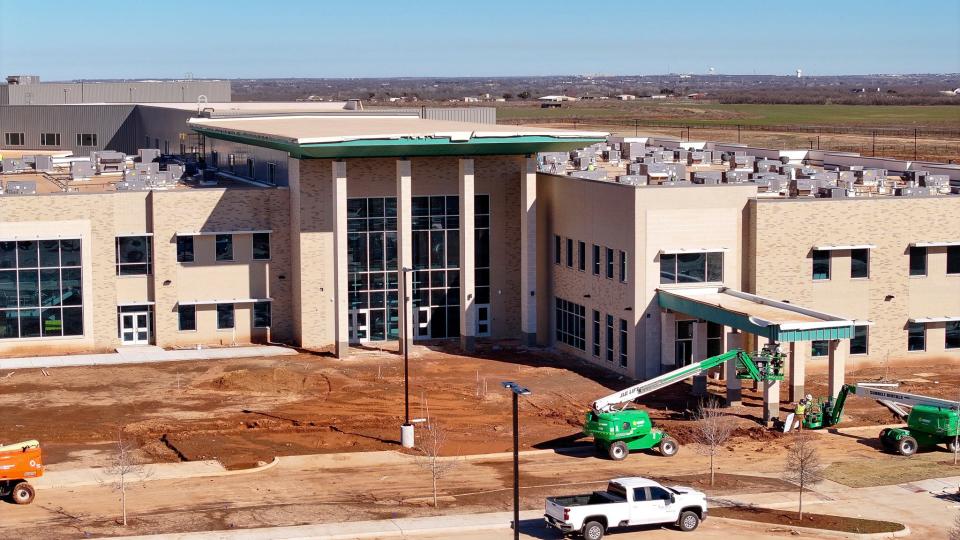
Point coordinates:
[[528, 251], [468, 308], [668, 341], [799, 351], [838, 365], [734, 341], [341, 288], [699, 353], [405, 251], [771, 389]]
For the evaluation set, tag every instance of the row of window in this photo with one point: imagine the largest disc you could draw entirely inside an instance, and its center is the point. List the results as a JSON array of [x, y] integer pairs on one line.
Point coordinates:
[[226, 317], [571, 329], [916, 339], [134, 254], [48, 139], [611, 332], [224, 247], [238, 164], [700, 267], [860, 262], [619, 263]]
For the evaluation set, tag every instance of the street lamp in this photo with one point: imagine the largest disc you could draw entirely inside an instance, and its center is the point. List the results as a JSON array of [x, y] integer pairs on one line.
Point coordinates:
[[517, 391], [406, 430]]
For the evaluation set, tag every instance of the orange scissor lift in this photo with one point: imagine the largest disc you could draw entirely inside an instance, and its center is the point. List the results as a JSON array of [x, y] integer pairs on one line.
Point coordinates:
[[18, 463]]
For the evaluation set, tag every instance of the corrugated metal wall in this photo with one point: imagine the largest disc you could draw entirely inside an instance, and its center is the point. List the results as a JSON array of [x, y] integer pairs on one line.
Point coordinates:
[[478, 115], [115, 92], [116, 126]]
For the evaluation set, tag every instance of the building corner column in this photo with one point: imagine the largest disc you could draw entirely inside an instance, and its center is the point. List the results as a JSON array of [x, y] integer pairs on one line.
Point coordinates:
[[528, 251], [340, 293], [668, 339], [837, 366], [405, 251], [734, 393], [699, 353], [798, 360], [468, 307]]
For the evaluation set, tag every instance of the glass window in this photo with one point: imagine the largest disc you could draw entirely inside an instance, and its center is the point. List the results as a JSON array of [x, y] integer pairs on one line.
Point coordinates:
[[187, 317], [916, 337], [556, 249], [609, 263], [596, 333], [714, 339], [953, 259], [715, 266], [819, 348], [659, 494], [859, 263], [184, 249], [683, 347], [569, 253], [40, 289], [261, 246], [596, 260], [13, 139], [49, 139], [609, 338], [918, 261], [134, 256], [87, 139], [272, 173], [623, 343], [691, 267], [570, 323], [623, 267], [821, 264], [224, 247], [261, 314], [225, 316], [581, 256], [668, 268], [953, 335], [859, 341]]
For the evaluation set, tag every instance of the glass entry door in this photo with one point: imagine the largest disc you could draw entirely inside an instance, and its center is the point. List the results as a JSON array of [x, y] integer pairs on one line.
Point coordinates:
[[135, 328], [359, 325], [483, 320]]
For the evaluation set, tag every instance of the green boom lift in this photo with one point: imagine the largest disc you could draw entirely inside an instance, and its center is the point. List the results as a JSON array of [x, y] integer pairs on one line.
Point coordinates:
[[931, 421], [617, 430]]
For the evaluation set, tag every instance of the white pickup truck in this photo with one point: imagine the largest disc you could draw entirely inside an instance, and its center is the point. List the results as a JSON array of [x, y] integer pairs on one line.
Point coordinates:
[[626, 502]]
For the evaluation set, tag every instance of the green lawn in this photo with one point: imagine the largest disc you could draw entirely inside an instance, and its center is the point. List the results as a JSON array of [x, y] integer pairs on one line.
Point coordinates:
[[705, 114]]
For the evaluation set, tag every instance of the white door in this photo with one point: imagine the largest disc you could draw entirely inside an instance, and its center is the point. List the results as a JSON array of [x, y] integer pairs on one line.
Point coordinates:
[[483, 320], [135, 328], [359, 325], [421, 318]]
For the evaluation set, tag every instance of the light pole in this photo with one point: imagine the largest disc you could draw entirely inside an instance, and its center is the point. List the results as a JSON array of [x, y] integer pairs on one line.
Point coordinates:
[[517, 391], [406, 430]]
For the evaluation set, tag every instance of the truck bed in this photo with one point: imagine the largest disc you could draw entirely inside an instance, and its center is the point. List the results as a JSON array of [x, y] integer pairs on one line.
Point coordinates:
[[597, 497]]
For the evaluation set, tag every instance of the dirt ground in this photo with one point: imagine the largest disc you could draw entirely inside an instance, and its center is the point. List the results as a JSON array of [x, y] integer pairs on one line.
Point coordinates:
[[819, 521]]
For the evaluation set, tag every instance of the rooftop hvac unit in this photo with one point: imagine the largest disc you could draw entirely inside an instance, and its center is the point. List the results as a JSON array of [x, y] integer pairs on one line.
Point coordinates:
[[147, 155], [913, 176], [632, 179], [81, 169], [590, 175], [43, 163], [831, 192], [935, 181], [21, 187]]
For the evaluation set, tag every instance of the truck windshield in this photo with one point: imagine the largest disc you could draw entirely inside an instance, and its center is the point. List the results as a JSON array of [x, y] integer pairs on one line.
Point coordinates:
[[617, 490]]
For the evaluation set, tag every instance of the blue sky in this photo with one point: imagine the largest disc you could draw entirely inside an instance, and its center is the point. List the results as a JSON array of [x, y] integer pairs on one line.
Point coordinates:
[[373, 38]]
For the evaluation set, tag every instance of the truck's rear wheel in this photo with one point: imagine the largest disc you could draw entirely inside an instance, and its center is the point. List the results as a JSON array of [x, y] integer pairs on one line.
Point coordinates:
[[593, 530], [618, 451], [688, 521], [669, 447], [22, 493], [907, 446]]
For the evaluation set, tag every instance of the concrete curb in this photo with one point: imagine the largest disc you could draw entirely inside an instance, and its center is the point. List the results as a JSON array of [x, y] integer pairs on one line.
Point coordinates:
[[827, 532]]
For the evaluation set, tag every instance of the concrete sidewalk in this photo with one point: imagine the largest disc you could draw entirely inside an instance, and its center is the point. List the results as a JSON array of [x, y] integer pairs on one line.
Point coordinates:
[[94, 476], [143, 355]]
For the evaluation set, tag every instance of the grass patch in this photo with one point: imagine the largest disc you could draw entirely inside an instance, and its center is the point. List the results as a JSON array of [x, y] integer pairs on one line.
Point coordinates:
[[816, 521], [896, 470]]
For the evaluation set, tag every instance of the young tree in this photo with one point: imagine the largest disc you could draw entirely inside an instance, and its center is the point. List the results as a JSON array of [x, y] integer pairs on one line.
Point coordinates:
[[432, 440], [955, 530], [712, 430], [122, 471], [803, 466]]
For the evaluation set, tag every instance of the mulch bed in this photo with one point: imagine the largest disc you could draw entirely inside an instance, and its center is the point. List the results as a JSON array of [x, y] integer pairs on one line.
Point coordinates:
[[813, 521]]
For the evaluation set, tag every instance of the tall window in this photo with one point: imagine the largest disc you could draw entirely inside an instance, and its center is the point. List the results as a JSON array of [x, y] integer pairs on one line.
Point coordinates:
[[261, 314], [623, 343], [581, 256], [609, 338], [86, 139], [596, 260], [225, 316], [571, 324], [224, 247], [41, 289], [251, 169], [13, 139], [187, 318], [953, 335], [691, 267], [596, 333], [953, 259], [916, 337], [821, 264], [859, 263], [261, 246], [819, 347], [714, 339], [918, 261], [860, 340], [185, 249], [372, 266], [569, 253], [609, 263], [623, 266], [134, 256], [272, 173], [556, 249], [49, 139], [683, 349]]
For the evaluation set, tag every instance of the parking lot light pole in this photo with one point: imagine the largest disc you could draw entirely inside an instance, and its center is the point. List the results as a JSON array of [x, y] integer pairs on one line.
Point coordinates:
[[406, 430], [517, 391]]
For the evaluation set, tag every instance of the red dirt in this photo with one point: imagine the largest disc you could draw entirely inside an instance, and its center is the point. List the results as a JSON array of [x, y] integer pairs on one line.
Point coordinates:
[[815, 521]]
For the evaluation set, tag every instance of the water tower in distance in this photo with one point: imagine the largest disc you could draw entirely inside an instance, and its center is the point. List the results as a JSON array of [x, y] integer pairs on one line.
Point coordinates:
[[799, 73]]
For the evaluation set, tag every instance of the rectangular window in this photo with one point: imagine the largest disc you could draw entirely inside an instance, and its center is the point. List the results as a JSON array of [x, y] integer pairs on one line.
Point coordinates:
[[623, 343], [569, 253], [859, 343], [623, 267], [224, 247], [251, 169], [184, 249], [715, 266], [683, 347], [819, 348], [556, 249], [581, 256], [916, 337], [214, 157], [187, 317], [859, 263], [272, 173], [609, 263], [86, 139], [41, 289], [953, 335], [609, 338], [261, 246], [821, 264], [13, 139], [691, 267], [49, 139], [225, 316], [571, 324], [596, 260], [953, 259], [918, 261], [261, 314], [596, 333], [714, 339], [134, 256]]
